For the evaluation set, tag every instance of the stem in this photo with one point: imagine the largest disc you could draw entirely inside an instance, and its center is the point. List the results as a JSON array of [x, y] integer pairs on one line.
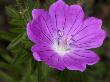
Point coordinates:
[[39, 66]]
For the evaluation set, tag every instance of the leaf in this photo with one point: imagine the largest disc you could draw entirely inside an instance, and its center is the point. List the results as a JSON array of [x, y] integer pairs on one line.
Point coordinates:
[[27, 71], [51, 1], [6, 35], [27, 44], [34, 76], [20, 57], [45, 73], [4, 65], [12, 12], [30, 4], [16, 41], [17, 22], [17, 29], [6, 57], [7, 78]]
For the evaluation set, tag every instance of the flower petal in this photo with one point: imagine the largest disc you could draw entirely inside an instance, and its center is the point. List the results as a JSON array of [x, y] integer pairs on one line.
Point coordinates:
[[86, 56], [37, 12], [74, 19], [39, 29], [78, 59], [39, 48], [50, 57], [90, 35], [35, 54], [66, 18], [73, 63], [58, 11], [55, 61]]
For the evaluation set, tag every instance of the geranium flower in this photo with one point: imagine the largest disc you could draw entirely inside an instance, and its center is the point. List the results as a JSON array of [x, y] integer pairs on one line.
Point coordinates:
[[63, 36]]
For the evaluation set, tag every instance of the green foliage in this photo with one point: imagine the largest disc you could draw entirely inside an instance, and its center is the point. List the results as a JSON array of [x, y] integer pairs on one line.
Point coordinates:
[[16, 61]]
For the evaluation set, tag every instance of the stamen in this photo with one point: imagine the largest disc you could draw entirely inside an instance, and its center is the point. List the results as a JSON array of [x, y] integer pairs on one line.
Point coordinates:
[[61, 47]]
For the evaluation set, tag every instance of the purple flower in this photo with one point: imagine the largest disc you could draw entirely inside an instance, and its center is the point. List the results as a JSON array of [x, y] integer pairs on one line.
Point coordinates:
[[62, 37]]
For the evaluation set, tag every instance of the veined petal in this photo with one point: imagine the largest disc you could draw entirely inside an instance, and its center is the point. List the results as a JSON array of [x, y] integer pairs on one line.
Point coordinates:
[[90, 35], [30, 34], [40, 48], [39, 29], [58, 12], [73, 63], [79, 58], [66, 18], [37, 12], [55, 61], [87, 56], [47, 55], [74, 19], [35, 54], [36, 34]]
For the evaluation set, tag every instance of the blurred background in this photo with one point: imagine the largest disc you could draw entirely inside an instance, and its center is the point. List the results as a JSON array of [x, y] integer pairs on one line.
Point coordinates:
[[16, 61]]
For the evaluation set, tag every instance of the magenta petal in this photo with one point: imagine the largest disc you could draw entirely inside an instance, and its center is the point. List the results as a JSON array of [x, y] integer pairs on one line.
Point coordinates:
[[74, 19], [86, 56], [55, 61], [38, 29], [90, 35], [46, 54], [58, 12], [36, 34], [66, 18], [35, 54], [79, 58], [73, 63], [37, 12], [30, 34], [52, 59]]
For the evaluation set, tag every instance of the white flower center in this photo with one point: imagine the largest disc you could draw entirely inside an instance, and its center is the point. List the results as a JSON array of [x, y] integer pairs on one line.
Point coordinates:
[[61, 47]]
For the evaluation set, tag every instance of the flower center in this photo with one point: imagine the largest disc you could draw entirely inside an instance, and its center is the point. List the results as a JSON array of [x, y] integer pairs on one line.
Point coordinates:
[[61, 46]]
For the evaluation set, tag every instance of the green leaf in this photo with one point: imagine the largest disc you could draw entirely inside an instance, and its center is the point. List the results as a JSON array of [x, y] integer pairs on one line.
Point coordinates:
[[45, 73], [27, 71], [51, 1], [4, 65], [16, 41], [6, 35], [34, 76], [17, 22], [7, 78], [17, 29], [12, 12], [6, 57]]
